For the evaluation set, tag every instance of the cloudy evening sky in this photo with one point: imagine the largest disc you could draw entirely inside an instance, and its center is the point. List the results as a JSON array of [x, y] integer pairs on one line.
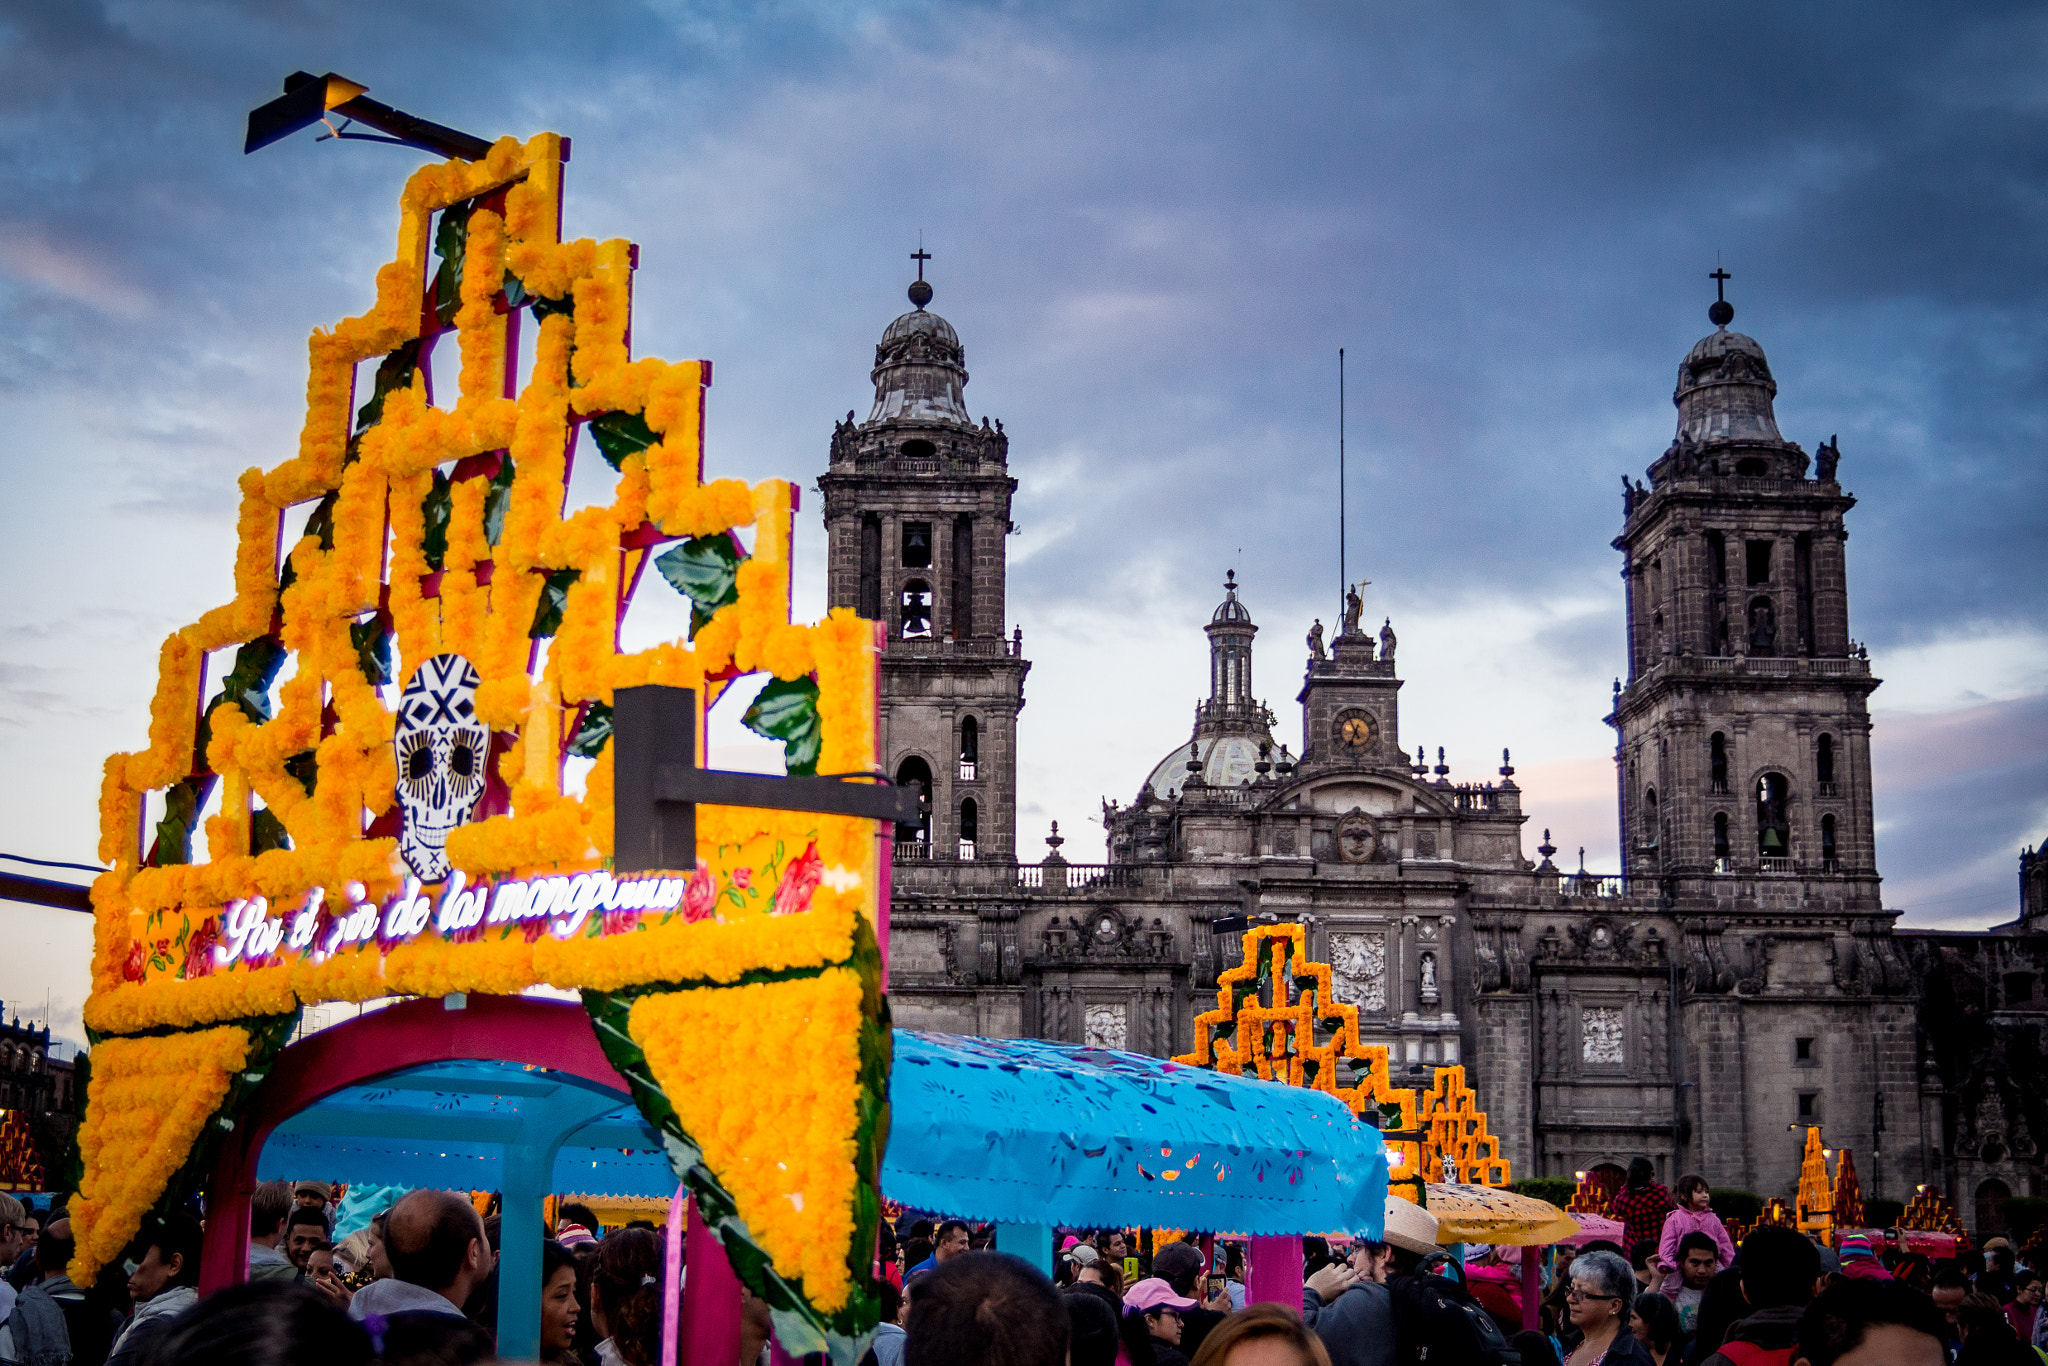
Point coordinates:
[[1153, 227]]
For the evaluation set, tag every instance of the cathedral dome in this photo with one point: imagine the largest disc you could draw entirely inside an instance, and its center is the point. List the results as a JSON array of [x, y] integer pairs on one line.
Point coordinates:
[[1725, 391], [1231, 612], [1226, 762], [920, 371]]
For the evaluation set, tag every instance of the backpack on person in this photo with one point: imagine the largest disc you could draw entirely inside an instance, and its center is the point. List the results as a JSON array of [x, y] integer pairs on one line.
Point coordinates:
[[1436, 1321]]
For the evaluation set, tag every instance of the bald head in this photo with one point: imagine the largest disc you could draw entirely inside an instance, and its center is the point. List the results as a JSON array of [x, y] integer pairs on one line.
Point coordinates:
[[435, 1240]]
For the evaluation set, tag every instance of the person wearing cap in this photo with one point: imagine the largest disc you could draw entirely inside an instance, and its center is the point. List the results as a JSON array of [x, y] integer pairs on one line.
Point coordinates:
[[312, 1195], [1163, 1312], [1347, 1304]]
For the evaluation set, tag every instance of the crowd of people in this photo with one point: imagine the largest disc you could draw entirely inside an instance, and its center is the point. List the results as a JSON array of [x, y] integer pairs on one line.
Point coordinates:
[[417, 1285]]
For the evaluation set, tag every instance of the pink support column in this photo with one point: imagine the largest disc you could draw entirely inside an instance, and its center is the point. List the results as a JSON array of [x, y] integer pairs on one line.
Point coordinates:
[[710, 1329], [672, 1281], [1274, 1276], [1532, 1286]]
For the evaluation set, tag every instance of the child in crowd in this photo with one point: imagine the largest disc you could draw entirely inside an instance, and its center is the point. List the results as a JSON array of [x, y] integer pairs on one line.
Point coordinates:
[[1695, 1214]]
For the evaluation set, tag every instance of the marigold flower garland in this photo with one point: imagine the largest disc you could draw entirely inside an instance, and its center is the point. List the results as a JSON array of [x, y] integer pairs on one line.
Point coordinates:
[[772, 892]]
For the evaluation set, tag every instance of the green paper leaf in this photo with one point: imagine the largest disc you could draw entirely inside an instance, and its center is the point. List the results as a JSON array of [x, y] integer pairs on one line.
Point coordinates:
[[174, 831], [517, 295], [619, 435], [372, 640], [498, 501], [267, 832], [451, 244], [788, 711], [321, 522], [706, 570], [438, 507], [305, 766], [246, 685], [554, 597], [395, 371], [515, 291], [595, 732]]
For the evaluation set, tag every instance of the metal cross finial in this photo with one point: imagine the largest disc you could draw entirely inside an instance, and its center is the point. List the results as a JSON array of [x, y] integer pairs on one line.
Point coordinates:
[[920, 256], [1720, 278]]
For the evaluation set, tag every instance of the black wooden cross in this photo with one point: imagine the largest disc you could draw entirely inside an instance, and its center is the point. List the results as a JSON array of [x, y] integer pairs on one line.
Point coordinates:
[[657, 785], [1720, 278], [920, 256]]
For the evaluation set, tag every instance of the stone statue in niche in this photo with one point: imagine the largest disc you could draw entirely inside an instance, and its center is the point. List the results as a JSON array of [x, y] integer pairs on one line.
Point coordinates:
[[1315, 641], [1387, 641], [1429, 988], [1358, 970]]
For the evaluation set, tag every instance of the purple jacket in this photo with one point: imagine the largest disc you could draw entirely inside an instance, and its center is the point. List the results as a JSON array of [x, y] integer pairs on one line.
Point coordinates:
[[1680, 1222]]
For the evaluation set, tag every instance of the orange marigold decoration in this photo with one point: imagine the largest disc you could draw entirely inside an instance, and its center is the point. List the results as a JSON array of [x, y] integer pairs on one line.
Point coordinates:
[[1848, 1191], [1457, 1134], [1276, 1018], [1816, 1198], [21, 1165], [268, 849], [1595, 1192]]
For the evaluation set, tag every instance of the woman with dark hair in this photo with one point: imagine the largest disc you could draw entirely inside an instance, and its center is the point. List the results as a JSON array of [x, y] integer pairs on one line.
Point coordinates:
[[1654, 1321], [1642, 1203], [559, 1307], [625, 1298], [263, 1323]]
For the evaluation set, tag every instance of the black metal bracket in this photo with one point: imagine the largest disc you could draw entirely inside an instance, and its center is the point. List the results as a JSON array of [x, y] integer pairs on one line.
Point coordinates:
[[307, 99], [657, 785]]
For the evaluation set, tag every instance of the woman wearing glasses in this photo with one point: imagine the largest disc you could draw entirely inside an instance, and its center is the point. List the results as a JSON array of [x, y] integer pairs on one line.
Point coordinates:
[[1603, 1289]]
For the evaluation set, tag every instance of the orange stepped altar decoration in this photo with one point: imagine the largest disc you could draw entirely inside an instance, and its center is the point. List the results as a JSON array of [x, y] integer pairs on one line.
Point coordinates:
[[1848, 1191], [1277, 1018], [21, 1166], [1816, 1197], [1457, 1132], [399, 820], [1595, 1192], [1929, 1212]]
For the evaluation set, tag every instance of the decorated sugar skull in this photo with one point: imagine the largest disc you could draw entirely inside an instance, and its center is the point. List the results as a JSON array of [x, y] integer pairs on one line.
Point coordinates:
[[442, 748]]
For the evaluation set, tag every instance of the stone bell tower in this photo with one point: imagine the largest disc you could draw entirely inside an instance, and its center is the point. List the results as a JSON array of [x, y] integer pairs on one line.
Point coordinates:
[[1744, 729], [917, 512]]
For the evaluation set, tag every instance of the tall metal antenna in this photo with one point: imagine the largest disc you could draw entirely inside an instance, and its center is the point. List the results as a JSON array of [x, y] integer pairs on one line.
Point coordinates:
[[1343, 573]]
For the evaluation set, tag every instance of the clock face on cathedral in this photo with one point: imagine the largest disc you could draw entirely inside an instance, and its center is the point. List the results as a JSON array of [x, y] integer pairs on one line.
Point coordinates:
[[1356, 731]]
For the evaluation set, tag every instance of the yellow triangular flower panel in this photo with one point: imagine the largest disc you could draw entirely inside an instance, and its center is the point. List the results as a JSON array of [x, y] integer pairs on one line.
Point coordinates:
[[150, 1100], [765, 1079]]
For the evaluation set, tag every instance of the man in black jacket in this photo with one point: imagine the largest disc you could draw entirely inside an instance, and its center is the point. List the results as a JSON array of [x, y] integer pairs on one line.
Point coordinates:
[[1778, 1271]]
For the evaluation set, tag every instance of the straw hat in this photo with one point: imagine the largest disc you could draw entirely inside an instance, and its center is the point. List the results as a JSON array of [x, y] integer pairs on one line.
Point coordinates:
[[1410, 1227]]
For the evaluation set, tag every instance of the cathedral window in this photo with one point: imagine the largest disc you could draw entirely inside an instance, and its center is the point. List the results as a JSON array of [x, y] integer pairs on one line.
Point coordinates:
[[1773, 829], [970, 827], [917, 545], [1753, 465], [1717, 762], [1802, 1051], [1650, 819], [1809, 1105], [919, 449], [1824, 765], [916, 610], [1802, 583], [1763, 626], [2019, 988], [1827, 843], [1721, 849], [870, 600], [963, 577], [1717, 558], [1759, 561], [914, 841], [970, 748]]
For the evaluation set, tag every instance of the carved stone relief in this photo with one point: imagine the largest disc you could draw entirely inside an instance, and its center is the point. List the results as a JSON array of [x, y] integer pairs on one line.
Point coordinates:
[[1600, 1036], [1107, 1025], [1358, 970]]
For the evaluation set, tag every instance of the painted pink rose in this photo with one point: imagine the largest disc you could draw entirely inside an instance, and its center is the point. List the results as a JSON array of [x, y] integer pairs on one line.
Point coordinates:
[[742, 878], [701, 895], [799, 880]]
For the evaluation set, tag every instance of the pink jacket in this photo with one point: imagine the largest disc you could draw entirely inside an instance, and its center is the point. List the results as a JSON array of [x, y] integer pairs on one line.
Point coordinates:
[[1680, 1222]]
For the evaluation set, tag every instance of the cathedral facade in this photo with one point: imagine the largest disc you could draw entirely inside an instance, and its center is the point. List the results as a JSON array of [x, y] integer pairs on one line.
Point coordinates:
[[1738, 982]]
